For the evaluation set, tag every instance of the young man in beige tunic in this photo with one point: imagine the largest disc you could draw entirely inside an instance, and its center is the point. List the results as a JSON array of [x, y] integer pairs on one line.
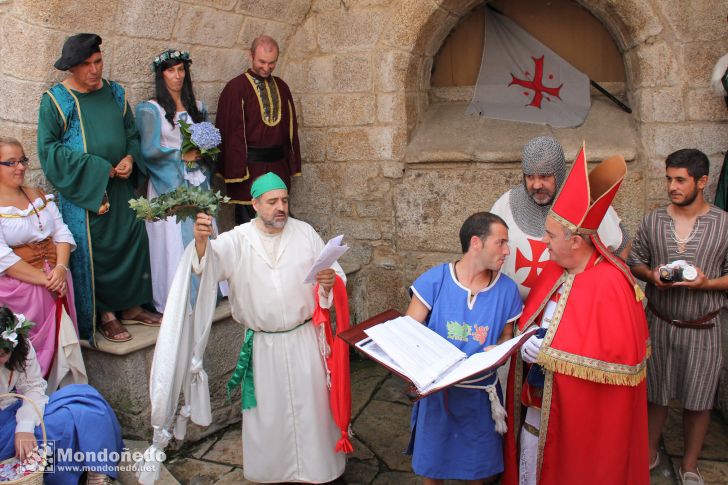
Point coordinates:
[[289, 434], [683, 317]]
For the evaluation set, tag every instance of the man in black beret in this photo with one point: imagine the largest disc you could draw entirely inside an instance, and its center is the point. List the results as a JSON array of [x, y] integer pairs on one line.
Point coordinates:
[[77, 49], [89, 150]]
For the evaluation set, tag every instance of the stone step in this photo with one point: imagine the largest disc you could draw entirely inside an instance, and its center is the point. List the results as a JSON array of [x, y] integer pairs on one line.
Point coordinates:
[[144, 336], [128, 477]]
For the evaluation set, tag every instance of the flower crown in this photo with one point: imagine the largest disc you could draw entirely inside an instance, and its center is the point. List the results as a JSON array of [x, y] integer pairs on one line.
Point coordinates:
[[170, 54], [18, 324]]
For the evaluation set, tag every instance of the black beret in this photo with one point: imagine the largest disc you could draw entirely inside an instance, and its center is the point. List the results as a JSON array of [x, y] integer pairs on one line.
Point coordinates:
[[77, 49]]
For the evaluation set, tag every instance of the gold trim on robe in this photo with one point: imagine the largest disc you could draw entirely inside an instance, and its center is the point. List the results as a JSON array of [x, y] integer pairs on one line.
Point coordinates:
[[275, 114]]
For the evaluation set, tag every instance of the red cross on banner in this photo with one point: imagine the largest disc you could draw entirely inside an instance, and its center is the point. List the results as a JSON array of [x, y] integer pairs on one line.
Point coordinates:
[[536, 85], [516, 68]]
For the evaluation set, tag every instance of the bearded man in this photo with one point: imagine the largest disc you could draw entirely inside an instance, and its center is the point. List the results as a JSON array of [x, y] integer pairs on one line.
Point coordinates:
[[289, 435], [684, 314], [525, 207], [256, 116]]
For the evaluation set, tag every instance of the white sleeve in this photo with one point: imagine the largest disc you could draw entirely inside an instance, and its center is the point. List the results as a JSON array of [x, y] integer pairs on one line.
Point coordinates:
[[609, 231], [61, 233], [198, 265], [223, 250], [325, 301], [30, 384], [7, 256]]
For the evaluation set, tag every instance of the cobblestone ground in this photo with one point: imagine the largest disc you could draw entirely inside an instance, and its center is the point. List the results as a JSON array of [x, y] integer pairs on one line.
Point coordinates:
[[381, 427]]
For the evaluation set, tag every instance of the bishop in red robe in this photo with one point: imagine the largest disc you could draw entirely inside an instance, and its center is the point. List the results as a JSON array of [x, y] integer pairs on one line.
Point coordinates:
[[578, 396]]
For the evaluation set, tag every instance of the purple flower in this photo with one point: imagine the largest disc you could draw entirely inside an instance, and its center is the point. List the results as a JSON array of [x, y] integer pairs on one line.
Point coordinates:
[[205, 136]]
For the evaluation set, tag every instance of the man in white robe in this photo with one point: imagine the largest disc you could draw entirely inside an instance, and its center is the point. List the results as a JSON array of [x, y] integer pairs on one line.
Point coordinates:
[[290, 434], [525, 207]]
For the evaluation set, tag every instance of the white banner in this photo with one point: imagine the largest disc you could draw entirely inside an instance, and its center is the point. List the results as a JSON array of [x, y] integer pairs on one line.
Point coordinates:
[[523, 80]]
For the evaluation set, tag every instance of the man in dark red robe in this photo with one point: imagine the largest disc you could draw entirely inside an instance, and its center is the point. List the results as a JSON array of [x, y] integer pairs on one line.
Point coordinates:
[[580, 415], [257, 121]]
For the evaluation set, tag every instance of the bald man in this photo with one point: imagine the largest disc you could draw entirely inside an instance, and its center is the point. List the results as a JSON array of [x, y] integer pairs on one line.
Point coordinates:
[[257, 120]]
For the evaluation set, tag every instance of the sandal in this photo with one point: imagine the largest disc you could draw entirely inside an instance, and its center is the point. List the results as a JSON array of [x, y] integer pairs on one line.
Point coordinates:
[[143, 317], [691, 478], [112, 329], [656, 462]]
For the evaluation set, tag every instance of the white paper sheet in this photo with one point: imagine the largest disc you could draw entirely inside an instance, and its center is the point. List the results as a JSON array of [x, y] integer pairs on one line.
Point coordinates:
[[375, 352], [476, 363], [329, 255], [423, 353]]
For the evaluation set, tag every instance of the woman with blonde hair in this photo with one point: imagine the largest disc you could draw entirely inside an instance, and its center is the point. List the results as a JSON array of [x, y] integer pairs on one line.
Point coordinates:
[[35, 246]]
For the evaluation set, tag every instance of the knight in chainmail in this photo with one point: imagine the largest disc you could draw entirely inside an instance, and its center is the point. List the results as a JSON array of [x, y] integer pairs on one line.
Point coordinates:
[[542, 156], [525, 207]]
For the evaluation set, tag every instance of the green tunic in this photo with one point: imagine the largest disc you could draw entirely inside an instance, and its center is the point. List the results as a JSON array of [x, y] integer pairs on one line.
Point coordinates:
[[118, 241]]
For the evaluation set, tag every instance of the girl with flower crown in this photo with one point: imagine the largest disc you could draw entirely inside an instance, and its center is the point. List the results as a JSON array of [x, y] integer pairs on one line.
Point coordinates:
[[158, 122], [35, 246], [77, 418]]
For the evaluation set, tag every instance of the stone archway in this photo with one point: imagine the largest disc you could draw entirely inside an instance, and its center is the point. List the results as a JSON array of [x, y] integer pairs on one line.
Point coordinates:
[[442, 184], [414, 34]]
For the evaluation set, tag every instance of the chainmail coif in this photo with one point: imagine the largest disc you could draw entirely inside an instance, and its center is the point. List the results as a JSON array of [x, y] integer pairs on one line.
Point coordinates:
[[542, 155]]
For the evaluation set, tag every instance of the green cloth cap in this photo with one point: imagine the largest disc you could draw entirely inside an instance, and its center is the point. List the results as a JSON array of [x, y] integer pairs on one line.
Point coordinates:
[[266, 183]]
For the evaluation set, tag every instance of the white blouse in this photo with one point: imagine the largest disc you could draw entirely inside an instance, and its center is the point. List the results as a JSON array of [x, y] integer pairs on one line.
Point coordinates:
[[30, 384], [20, 226]]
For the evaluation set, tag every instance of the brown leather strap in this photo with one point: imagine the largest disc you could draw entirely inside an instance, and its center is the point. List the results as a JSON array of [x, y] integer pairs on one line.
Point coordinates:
[[39, 191], [531, 429], [699, 323], [37, 253]]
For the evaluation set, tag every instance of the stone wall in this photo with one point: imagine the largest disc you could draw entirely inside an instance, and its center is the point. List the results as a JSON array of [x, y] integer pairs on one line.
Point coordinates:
[[216, 32], [360, 73]]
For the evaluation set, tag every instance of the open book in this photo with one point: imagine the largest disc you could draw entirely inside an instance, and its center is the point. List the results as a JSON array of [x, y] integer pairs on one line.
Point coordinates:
[[423, 357]]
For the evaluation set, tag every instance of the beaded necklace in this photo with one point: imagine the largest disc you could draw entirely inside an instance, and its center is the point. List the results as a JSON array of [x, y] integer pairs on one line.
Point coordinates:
[[40, 223]]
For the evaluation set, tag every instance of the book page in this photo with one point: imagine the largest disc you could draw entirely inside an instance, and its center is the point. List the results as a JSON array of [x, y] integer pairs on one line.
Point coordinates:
[[369, 347], [477, 363], [422, 353]]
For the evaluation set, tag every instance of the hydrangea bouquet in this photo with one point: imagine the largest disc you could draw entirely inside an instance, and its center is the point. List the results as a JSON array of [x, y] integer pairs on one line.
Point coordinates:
[[201, 136], [184, 202]]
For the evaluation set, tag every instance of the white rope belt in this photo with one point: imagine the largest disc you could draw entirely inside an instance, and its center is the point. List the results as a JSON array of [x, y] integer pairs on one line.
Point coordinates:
[[496, 408]]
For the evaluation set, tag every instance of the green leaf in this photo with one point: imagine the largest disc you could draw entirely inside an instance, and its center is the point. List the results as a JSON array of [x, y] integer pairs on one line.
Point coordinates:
[[183, 202]]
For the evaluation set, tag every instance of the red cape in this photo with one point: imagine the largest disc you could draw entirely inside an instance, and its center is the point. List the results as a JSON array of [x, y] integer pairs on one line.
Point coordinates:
[[594, 412], [337, 362]]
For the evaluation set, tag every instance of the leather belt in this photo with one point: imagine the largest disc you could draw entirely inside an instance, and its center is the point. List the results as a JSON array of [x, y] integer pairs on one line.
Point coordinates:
[[699, 323], [266, 154], [37, 253]]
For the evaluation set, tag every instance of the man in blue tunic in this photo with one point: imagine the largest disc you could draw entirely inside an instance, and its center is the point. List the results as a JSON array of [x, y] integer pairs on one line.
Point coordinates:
[[456, 433]]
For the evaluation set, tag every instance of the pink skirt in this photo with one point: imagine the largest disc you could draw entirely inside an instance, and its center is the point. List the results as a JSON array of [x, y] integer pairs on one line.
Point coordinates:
[[39, 306]]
